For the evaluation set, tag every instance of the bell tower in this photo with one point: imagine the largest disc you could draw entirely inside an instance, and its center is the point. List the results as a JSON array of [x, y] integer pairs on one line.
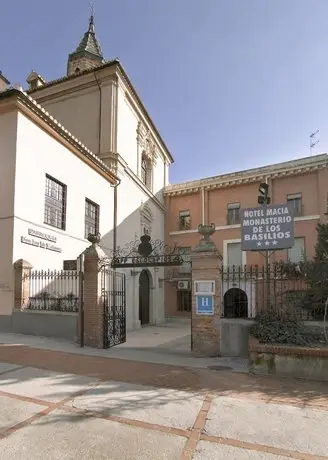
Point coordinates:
[[88, 54]]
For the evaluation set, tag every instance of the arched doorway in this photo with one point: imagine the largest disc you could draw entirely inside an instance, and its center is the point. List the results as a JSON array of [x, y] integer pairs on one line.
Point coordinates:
[[144, 297], [235, 303]]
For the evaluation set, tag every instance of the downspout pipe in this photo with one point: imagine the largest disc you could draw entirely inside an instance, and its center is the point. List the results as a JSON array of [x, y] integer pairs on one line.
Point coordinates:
[[115, 216], [100, 113]]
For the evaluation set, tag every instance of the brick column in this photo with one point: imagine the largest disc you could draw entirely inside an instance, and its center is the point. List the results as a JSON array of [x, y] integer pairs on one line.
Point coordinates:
[[93, 305], [22, 285], [206, 263]]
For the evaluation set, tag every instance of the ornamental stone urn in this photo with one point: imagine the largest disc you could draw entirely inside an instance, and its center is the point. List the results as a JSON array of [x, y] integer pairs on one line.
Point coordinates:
[[206, 244]]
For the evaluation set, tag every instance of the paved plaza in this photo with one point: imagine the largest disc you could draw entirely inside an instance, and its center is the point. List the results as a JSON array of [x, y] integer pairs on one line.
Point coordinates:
[[57, 404]]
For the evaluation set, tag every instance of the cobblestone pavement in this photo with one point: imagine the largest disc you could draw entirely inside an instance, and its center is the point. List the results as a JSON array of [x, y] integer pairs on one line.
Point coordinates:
[[57, 405]]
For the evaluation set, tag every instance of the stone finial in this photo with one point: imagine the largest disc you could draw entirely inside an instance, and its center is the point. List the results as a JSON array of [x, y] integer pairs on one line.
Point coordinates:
[[206, 244], [94, 239]]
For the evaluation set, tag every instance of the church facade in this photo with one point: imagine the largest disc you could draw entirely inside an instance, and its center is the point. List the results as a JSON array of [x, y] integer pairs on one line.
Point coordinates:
[[84, 155]]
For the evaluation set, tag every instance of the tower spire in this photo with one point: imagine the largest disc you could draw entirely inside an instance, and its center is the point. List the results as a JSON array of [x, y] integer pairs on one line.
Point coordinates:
[[88, 54]]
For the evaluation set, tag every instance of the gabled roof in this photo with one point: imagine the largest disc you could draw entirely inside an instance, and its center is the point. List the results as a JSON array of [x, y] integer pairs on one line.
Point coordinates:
[[89, 44], [32, 106], [126, 79]]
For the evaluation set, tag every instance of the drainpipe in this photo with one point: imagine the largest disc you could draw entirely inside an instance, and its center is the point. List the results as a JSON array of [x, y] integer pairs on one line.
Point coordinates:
[[115, 217], [100, 113], [203, 206]]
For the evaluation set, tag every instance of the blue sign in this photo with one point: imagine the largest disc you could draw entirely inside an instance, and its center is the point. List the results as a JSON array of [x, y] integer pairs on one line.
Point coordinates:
[[205, 305]]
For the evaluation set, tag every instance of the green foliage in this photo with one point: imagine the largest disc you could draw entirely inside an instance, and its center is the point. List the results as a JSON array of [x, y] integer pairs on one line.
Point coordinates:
[[277, 327]]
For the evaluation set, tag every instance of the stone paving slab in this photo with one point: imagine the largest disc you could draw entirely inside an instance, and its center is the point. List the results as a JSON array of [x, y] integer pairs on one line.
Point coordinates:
[[210, 451], [281, 426], [61, 436], [13, 411], [160, 406], [40, 384]]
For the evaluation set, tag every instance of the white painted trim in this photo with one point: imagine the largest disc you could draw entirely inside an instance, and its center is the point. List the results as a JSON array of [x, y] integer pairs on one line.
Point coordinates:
[[203, 206], [227, 227], [225, 251], [301, 218]]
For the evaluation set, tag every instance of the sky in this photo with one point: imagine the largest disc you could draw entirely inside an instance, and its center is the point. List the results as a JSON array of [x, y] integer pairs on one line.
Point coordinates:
[[230, 84]]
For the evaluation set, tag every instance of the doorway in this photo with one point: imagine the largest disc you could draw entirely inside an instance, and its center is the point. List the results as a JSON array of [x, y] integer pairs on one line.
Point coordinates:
[[235, 303], [144, 297]]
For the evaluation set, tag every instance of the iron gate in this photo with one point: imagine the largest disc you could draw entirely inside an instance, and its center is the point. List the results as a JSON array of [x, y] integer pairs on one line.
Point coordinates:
[[113, 288]]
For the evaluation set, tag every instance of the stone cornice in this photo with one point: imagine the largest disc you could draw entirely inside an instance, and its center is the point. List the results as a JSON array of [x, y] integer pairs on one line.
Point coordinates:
[[250, 176]]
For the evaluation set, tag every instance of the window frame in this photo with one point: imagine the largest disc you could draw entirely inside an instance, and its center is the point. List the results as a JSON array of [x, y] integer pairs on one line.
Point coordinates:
[[232, 220], [290, 249], [146, 172], [50, 203], [184, 269], [296, 198], [184, 299], [87, 219], [183, 214]]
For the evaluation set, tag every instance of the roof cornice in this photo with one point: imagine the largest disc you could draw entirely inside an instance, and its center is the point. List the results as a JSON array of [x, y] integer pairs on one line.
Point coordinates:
[[23, 102], [250, 176]]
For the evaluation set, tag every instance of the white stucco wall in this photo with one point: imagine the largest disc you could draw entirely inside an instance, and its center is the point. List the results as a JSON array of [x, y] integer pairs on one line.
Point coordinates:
[[84, 105], [39, 154], [8, 124]]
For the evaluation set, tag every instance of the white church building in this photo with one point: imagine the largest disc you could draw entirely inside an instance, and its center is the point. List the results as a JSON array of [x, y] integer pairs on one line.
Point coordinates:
[[80, 155]]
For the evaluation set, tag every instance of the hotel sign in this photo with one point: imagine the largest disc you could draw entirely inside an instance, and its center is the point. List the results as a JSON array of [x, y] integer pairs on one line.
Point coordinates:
[[267, 228]]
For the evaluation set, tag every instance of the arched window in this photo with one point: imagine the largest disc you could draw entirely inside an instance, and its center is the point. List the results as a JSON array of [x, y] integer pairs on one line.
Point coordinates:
[[146, 171], [77, 70]]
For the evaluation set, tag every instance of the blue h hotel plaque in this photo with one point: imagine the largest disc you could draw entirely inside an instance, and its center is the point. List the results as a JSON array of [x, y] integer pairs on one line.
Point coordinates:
[[205, 305]]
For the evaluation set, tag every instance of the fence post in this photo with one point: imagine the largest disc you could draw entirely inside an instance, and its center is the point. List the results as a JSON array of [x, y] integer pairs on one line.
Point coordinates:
[[206, 308], [93, 305], [22, 282]]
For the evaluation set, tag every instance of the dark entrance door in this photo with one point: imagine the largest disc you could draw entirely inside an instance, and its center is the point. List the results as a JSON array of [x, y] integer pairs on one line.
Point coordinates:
[[144, 295], [235, 303]]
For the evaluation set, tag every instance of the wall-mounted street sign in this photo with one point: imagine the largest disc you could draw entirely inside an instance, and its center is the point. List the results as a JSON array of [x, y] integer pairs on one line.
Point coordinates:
[[145, 254], [204, 305], [267, 228]]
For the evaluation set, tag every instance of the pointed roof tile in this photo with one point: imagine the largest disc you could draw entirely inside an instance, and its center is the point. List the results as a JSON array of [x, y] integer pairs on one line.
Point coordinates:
[[89, 43]]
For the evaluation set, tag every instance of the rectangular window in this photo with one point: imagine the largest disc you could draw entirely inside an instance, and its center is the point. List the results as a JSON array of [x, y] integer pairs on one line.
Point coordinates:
[[91, 221], [184, 300], [295, 201], [184, 220], [186, 266], [234, 254], [297, 252], [55, 203], [233, 216]]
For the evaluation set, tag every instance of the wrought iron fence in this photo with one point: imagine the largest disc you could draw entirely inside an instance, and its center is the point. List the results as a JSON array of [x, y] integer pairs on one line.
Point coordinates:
[[52, 290], [248, 290]]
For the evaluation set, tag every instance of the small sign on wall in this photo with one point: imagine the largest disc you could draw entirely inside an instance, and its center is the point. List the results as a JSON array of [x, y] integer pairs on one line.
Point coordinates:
[[205, 305], [204, 287]]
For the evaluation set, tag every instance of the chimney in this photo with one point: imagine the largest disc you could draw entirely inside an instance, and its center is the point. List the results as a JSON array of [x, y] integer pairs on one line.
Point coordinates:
[[4, 83], [35, 81]]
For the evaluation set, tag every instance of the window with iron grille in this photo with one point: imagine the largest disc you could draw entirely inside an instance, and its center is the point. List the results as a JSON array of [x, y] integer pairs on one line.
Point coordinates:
[[295, 201], [233, 215], [185, 254], [55, 203], [184, 300], [91, 220], [184, 220]]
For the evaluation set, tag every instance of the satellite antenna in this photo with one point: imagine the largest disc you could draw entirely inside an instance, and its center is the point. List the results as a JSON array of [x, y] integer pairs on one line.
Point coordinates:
[[313, 140]]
